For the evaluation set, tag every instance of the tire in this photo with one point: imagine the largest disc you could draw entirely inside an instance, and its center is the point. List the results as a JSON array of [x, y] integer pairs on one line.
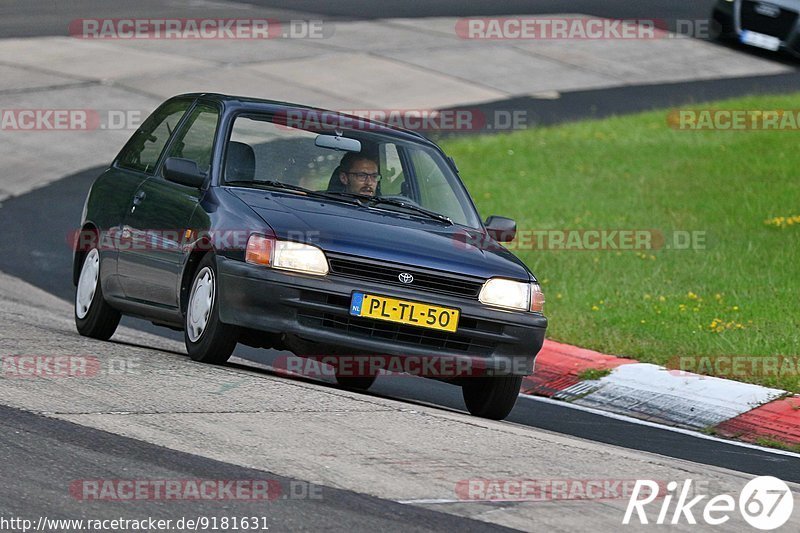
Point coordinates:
[[207, 339], [721, 28], [492, 397], [715, 32], [93, 316], [358, 383]]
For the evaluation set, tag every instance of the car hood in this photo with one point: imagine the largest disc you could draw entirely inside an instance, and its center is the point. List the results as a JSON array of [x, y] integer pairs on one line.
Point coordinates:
[[376, 233]]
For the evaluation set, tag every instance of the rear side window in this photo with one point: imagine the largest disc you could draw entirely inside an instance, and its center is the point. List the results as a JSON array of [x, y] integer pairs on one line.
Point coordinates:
[[195, 141], [144, 149]]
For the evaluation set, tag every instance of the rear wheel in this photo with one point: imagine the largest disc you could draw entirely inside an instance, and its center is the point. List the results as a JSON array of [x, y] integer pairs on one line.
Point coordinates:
[[491, 397], [207, 339], [93, 316]]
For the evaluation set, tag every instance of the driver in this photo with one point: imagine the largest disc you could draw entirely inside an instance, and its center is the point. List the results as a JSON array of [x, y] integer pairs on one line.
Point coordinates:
[[359, 174]]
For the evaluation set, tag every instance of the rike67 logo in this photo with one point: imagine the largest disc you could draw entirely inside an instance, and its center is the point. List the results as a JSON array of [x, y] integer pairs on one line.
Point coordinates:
[[766, 503]]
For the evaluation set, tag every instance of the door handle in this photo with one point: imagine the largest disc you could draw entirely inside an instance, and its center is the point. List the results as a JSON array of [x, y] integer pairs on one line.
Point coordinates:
[[140, 196]]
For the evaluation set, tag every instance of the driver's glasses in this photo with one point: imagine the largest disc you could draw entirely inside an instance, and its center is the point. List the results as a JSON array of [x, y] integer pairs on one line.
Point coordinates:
[[362, 177]]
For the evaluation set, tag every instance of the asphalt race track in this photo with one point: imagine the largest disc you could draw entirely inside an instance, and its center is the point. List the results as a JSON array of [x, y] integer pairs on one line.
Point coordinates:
[[683, 9], [46, 18], [40, 455], [42, 444]]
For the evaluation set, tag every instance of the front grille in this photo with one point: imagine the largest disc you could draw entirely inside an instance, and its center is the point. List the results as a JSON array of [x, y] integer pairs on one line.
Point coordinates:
[[332, 312], [399, 333], [779, 26], [424, 280]]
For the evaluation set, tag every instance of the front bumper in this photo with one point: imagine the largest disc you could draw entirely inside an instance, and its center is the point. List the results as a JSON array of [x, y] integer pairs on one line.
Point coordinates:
[[316, 310], [728, 21]]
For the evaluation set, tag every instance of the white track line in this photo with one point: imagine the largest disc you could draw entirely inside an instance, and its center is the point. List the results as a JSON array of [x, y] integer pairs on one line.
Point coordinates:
[[660, 426]]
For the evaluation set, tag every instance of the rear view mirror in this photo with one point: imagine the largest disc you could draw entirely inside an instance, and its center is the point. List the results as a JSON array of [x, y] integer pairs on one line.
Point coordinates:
[[184, 172], [335, 142], [501, 229]]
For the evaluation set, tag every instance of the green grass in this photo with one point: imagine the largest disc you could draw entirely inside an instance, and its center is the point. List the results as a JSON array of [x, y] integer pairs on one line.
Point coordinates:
[[635, 172], [593, 374], [776, 443]]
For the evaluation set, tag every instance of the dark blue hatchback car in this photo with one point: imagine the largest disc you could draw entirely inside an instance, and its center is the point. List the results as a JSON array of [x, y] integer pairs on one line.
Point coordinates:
[[288, 227]]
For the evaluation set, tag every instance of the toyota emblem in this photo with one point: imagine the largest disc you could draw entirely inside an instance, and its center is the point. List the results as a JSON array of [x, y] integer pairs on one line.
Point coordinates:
[[406, 278]]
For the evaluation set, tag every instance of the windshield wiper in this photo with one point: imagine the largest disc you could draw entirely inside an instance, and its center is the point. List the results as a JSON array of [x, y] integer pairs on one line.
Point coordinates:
[[268, 185], [296, 188], [351, 198], [376, 200]]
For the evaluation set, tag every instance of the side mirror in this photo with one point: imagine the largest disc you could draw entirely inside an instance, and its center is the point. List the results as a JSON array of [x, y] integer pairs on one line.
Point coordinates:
[[501, 229], [183, 172]]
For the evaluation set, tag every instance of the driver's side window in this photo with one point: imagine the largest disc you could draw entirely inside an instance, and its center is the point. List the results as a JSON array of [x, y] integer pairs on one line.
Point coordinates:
[[391, 168], [143, 151], [196, 139]]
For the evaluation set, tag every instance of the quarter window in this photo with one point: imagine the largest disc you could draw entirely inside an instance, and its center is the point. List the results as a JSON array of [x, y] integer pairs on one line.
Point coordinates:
[[143, 151]]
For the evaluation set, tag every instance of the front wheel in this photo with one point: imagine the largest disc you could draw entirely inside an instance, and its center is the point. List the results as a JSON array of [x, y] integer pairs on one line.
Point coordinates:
[[491, 397], [93, 316], [207, 339]]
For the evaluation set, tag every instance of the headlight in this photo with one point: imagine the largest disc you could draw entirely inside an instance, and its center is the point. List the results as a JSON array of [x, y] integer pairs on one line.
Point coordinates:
[[286, 255], [506, 293], [300, 258]]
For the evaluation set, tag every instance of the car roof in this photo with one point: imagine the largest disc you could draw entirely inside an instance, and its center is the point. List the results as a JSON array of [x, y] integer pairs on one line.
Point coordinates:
[[264, 105]]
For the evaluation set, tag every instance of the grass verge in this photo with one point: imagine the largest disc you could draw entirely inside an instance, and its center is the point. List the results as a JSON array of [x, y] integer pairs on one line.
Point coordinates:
[[734, 293]]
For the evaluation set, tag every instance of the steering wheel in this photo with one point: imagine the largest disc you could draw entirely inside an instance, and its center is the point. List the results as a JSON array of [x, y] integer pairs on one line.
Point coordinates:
[[401, 198]]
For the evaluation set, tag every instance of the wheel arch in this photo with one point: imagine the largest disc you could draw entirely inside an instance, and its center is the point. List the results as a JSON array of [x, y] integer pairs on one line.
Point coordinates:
[[198, 251]]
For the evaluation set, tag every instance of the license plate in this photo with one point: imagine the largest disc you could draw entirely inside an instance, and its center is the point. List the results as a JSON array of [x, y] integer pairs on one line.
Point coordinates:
[[404, 312], [760, 40]]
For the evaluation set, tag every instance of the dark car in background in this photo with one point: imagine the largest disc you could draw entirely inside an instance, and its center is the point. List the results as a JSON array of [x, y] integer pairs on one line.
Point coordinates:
[[228, 218], [769, 25]]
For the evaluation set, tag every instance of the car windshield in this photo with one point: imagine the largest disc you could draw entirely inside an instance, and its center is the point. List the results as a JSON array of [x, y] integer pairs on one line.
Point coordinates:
[[389, 173]]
